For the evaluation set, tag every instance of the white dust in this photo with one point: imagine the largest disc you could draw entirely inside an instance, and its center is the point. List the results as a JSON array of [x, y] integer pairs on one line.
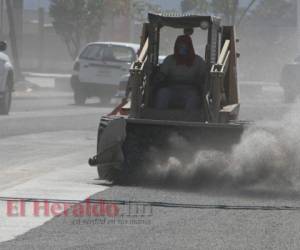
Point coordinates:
[[268, 154]]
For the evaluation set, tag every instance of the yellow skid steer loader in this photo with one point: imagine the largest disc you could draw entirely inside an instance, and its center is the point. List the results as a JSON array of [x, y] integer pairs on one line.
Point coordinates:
[[129, 137]]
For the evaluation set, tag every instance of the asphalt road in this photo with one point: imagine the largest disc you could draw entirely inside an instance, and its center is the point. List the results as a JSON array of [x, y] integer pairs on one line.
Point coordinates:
[[45, 143]]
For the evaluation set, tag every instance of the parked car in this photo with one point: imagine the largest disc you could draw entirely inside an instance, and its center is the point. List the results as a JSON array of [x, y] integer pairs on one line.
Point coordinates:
[[6, 80], [121, 92], [98, 69], [290, 80]]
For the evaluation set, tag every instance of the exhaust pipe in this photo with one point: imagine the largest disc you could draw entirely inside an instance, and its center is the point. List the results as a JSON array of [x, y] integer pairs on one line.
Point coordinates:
[[93, 162]]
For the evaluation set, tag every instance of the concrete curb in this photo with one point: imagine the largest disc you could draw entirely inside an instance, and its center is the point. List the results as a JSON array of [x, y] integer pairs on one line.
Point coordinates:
[[41, 95]]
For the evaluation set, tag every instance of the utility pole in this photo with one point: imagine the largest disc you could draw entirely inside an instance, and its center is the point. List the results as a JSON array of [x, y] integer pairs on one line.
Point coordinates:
[[127, 22], [1, 19], [18, 6], [41, 38], [252, 2], [298, 25], [13, 38], [131, 21], [235, 8]]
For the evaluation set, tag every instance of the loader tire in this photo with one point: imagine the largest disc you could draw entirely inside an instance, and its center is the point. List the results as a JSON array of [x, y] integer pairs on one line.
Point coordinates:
[[110, 173]]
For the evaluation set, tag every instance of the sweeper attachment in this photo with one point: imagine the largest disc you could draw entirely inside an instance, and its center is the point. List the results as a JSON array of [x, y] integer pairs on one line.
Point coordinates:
[[137, 135]]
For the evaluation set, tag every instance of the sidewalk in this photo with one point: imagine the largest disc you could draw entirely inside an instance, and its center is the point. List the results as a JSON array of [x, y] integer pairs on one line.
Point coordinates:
[[41, 94], [46, 75], [41, 85], [49, 80]]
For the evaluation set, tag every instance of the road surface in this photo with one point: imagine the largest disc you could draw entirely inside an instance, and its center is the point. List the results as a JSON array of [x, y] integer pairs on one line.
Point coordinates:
[[45, 144]]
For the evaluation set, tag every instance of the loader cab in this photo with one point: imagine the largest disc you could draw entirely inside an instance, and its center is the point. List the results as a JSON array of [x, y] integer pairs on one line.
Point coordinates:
[[155, 41], [167, 40], [165, 30]]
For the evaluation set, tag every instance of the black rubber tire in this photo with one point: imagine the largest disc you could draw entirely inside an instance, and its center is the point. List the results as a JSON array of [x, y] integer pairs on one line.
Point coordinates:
[[289, 96], [110, 173], [5, 102], [105, 100], [79, 97]]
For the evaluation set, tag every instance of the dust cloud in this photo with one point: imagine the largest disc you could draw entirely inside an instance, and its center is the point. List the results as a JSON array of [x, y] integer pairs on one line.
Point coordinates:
[[267, 155]]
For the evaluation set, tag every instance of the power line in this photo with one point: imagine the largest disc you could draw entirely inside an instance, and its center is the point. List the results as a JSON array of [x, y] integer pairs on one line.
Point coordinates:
[[161, 204]]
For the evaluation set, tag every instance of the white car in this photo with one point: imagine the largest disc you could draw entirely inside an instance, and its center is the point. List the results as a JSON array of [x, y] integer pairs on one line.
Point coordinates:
[[6, 80], [98, 69]]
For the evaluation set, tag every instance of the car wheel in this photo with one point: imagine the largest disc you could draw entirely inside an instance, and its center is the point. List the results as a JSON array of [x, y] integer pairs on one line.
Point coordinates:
[[79, 97], [289, 96], [5, 102], [79, 92], [105, 100]]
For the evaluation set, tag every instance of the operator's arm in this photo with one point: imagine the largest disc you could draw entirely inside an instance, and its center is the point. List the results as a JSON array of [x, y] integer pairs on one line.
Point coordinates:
[[161, 77], [201, 77]]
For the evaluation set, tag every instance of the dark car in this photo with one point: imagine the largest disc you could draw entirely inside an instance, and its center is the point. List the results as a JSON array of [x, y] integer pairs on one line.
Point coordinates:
[[290, 79]]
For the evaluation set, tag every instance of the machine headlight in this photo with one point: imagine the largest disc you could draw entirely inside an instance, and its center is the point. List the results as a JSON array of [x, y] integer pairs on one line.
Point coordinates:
[[204, 25]]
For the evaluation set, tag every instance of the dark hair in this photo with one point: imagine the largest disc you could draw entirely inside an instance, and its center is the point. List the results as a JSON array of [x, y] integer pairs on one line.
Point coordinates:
[[186, 60]]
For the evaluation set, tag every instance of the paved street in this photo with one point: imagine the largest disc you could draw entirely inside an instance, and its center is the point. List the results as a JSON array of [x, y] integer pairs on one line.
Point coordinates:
[[41, 140], [45, 143]]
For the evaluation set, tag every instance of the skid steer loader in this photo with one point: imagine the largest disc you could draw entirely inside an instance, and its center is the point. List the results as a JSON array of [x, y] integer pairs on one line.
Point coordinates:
[[136, 134]]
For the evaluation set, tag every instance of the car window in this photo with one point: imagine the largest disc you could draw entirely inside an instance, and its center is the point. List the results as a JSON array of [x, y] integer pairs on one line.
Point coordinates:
[[114, 53], [122, 54], [93, 52]]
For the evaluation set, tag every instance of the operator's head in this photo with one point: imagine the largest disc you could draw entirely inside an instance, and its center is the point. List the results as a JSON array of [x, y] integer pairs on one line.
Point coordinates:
[[184, 50], [188, 31]]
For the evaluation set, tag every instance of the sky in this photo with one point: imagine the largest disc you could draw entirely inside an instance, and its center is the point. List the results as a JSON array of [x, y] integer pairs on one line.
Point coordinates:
[[169, 4], [34, 4], [166, 4]]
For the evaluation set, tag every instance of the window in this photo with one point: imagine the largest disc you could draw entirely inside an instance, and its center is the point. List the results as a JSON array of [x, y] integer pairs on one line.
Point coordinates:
[[123, 54], [92, 52], [168, 37], [111, 53]]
